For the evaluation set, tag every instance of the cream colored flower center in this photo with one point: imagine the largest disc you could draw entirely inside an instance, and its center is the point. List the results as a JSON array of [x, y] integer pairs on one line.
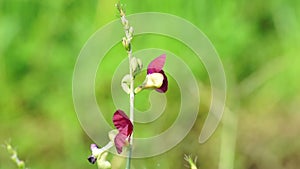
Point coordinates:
[[154, 80]]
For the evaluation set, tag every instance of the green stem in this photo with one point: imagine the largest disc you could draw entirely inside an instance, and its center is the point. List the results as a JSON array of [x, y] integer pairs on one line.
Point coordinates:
[[131, 94], [127, 44], [131, 103]]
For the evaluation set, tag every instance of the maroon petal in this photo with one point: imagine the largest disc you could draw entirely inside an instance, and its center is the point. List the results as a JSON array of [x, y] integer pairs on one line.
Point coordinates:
[[157, 64], [120, 141], [125, 127], [122, 122], [164, 87]]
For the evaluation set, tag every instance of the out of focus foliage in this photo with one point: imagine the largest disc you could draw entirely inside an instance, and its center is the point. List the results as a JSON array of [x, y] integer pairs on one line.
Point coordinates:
[[258, 43]]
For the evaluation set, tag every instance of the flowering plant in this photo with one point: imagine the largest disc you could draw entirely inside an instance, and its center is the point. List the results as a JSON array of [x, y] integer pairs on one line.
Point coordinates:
[[155, 79]]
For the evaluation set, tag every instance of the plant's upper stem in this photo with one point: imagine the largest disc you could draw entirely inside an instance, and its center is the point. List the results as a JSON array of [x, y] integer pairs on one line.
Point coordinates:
[[127, 44]]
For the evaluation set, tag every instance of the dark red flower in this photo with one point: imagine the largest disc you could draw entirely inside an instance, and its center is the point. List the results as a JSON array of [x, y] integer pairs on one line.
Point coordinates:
[[156, 76], [124, 126]]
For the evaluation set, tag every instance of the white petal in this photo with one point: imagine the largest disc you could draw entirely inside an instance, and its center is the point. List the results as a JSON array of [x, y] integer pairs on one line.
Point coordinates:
[[154, 80]]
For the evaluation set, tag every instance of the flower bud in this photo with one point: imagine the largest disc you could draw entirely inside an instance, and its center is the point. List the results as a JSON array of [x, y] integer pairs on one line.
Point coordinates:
[[130, 30], [126, 44], [9, 149], [21, 164]]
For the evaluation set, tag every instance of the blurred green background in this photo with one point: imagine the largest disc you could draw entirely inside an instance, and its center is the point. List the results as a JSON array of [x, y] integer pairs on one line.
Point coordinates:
[[258, 43]]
